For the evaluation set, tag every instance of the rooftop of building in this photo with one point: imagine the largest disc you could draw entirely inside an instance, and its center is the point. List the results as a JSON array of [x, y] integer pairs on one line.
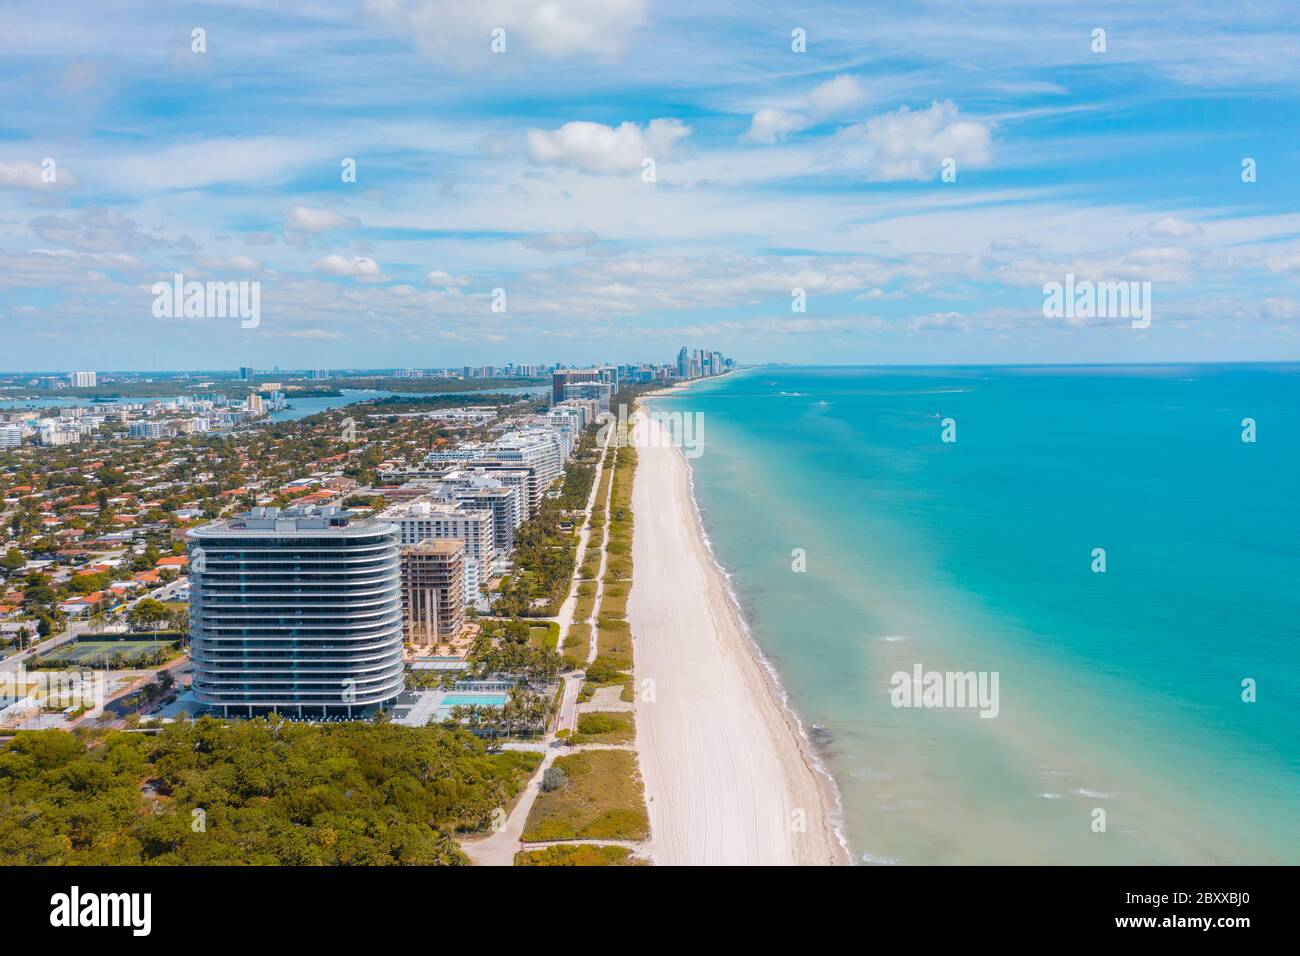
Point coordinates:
[[305, 520], [426, 505], [444, 547]]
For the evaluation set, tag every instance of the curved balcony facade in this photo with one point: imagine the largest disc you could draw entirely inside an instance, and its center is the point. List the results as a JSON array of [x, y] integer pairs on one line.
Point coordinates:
[[297, 612]]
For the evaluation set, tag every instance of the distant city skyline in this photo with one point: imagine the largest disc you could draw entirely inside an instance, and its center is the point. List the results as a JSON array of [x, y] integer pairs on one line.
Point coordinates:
[[347, 184]]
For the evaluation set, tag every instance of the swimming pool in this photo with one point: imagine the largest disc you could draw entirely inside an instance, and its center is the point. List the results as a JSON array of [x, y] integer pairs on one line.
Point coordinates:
[[465, 700]]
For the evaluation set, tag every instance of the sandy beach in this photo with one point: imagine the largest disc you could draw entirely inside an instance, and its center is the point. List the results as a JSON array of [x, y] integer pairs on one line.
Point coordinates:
[[727, 775]]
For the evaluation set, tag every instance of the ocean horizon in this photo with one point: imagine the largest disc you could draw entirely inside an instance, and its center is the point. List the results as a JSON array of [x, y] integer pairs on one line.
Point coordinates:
[[860, 544]]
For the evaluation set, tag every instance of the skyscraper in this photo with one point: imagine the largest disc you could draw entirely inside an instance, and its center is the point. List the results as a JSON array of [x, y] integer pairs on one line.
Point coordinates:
[[570, 376], [297, 611]]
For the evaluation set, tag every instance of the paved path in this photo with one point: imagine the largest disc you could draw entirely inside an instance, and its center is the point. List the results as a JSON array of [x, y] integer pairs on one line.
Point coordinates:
[[499, 848]]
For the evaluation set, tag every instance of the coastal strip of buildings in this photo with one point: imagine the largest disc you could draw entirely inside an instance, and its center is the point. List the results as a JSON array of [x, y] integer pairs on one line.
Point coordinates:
[[312, 610], [307, 611]]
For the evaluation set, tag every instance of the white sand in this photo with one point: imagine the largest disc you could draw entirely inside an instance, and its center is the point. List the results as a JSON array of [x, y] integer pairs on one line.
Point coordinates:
[[727, 777]]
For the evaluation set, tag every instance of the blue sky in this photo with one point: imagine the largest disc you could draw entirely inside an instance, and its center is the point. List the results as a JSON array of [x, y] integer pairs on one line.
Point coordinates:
[[523, 170]]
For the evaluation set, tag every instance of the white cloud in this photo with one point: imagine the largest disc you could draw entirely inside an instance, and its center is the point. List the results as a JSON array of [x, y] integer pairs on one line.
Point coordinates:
[[560, 241], [99, 229], [597, 148], [1162, 264], [209, 163], [1285, 261], [445, 280], [356, 267], [835, 96], [308, 219], [945, 321], [827, 100], [1280, 307], [769, 125], [912, 144], [1171, 227], [460, 32], [228, 264], [318, 335]]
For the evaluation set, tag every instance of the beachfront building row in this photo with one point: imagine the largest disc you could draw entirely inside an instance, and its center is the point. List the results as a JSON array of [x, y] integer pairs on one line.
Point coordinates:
[[297, 611], [540, 450], [700, 363], [480, 493]]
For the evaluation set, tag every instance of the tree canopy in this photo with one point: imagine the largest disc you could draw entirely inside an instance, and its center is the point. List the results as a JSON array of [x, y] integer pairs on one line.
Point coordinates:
[[249, 792]]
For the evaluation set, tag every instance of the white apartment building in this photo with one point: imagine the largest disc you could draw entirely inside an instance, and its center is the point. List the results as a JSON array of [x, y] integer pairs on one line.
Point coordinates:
[[599, 392], [465, 451], [142, 429], [11, 436], [584, 409], [192, 426], [519, 479], [55, 432], [83, 379], [540, 448], [425, 520], [484, 492], [297, 611]]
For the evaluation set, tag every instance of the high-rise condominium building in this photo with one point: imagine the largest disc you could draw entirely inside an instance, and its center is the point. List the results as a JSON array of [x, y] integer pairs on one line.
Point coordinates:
[[297, 611], [484, 493], [598, 392], [82, 379], [571, 376], [433, 591], [425, 519]]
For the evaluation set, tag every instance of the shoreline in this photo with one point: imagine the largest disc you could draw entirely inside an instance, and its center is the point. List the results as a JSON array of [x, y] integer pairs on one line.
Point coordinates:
[[833, 803], [725, 750]]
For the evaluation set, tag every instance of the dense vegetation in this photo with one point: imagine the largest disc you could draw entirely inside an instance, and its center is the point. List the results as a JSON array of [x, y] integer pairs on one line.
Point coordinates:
[[579, 854], [250, 792], [604, 727], [600, 799]]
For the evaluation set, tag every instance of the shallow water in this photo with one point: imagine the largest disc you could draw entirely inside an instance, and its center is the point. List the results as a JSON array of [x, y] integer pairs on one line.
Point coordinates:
[[1118, 692]]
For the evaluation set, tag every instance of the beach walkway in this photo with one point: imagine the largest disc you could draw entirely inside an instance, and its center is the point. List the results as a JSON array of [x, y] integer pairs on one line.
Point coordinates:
[[499, 848]]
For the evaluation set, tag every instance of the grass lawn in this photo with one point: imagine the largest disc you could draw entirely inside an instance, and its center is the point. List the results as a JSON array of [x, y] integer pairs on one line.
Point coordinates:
[[582, 608], [614, 641], [614, 601], [600, 800], [579, 854], [544, 635], [605, 727], [577, 645]]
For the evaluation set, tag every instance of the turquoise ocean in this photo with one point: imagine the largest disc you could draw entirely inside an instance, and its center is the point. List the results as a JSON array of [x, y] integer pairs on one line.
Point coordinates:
[[1122, 735]]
